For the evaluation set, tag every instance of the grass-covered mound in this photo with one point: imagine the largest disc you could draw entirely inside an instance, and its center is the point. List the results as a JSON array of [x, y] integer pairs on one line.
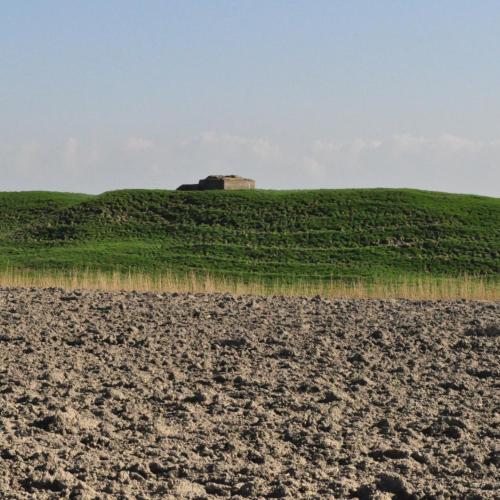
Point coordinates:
[[358, 233]]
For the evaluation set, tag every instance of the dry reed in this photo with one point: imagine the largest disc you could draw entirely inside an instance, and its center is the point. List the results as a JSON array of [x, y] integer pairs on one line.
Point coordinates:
[[423, 288]]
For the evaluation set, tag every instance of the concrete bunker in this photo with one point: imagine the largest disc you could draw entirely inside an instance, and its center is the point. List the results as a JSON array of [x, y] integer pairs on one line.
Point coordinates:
[[223, 182]]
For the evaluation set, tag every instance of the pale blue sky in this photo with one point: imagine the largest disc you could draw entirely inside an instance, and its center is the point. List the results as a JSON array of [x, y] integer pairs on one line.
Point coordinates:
[[98, 95]]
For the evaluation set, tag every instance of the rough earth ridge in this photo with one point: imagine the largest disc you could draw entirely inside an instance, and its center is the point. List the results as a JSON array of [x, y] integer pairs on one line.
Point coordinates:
[[142, 395]]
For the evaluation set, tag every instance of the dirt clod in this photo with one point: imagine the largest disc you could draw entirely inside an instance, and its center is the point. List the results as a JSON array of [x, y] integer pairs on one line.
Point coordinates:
[[141, 395]]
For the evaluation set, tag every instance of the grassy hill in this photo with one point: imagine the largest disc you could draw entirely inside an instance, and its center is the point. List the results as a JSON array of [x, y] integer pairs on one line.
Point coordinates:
[[359, 233]]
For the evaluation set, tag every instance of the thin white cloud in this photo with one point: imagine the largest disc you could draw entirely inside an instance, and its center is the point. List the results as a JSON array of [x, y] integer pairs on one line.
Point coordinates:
[[222, 153], [446, 143], [352, 148], [138, 144], [444, 162], [225, 143], [404, 144]]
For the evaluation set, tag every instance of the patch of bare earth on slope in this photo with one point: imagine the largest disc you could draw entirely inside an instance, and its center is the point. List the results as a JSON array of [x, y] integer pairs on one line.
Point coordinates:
[[125, 395]]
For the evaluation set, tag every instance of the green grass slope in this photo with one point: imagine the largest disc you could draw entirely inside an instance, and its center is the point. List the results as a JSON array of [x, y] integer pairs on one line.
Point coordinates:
[[358, 233]]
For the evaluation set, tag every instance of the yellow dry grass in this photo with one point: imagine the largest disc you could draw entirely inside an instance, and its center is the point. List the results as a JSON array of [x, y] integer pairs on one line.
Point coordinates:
[[426, 288]]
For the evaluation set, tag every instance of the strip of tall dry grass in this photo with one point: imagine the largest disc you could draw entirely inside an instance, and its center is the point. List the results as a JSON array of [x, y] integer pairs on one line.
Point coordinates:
[[424, 288]]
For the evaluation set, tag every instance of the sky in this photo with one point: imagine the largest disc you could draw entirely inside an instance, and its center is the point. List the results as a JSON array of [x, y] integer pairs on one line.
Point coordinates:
[[98, 95]]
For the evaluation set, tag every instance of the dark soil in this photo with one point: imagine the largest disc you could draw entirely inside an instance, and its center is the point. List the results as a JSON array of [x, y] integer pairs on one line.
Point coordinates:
[[128, 395]]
